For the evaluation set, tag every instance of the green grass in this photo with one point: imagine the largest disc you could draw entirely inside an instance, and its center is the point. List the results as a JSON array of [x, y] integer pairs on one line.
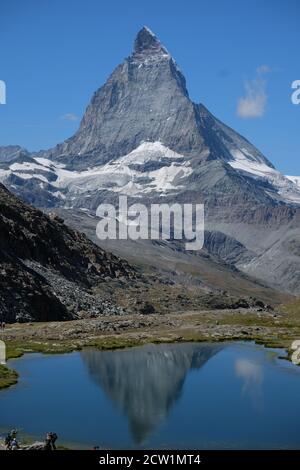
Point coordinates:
[[292, 308], [16, 349], [8, 377]]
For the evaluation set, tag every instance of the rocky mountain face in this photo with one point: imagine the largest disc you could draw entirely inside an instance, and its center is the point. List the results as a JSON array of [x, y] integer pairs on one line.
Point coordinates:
[[47, 269], [142, 136]]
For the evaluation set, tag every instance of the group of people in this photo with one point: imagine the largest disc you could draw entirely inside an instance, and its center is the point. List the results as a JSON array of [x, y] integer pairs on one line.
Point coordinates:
[[11, 442]]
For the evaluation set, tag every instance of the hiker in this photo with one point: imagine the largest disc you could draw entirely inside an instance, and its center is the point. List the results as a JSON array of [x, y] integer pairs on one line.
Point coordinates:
[[9, 439], [14, 444], [48, 441], [53, 437], [13, 433], [7, 442]]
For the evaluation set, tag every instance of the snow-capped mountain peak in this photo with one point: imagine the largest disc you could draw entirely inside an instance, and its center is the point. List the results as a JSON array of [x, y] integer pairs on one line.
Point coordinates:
[[142, 136]]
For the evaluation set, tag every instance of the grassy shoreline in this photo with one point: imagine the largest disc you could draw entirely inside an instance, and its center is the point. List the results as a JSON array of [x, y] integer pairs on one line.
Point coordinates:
[[8, 377], [108, 333]]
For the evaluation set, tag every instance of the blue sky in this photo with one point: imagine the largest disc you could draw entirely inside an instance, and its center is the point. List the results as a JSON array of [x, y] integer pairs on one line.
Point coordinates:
[[56, 53]]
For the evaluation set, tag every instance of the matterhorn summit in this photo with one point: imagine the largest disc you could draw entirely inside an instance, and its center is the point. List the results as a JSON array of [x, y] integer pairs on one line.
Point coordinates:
[[143, 137]]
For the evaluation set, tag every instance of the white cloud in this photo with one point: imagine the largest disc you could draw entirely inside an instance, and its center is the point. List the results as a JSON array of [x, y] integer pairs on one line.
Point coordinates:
[[69, 117], [253, 104], [262, 69]]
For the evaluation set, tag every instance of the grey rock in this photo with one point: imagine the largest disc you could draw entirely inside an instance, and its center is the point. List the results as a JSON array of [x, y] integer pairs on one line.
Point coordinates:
[[47, 269]]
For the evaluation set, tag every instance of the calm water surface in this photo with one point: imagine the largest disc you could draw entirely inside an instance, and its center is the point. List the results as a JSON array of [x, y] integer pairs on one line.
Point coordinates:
[[235, 395]]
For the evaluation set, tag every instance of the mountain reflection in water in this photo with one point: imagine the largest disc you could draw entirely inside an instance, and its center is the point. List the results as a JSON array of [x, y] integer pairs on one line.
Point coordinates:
[[147, 382]]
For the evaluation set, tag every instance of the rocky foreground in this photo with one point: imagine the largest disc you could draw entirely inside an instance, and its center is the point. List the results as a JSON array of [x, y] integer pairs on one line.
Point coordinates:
[[32, 446]]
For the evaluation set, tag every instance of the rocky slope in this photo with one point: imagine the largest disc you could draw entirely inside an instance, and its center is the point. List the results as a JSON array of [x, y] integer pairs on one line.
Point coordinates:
[[50, 272], [47, 269]]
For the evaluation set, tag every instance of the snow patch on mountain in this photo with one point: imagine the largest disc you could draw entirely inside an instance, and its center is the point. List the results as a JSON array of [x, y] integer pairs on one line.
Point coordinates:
[[130, 175], [244, 161], [287, 188], [149, 151], [151, 167], [294, 179], [49, 163]]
